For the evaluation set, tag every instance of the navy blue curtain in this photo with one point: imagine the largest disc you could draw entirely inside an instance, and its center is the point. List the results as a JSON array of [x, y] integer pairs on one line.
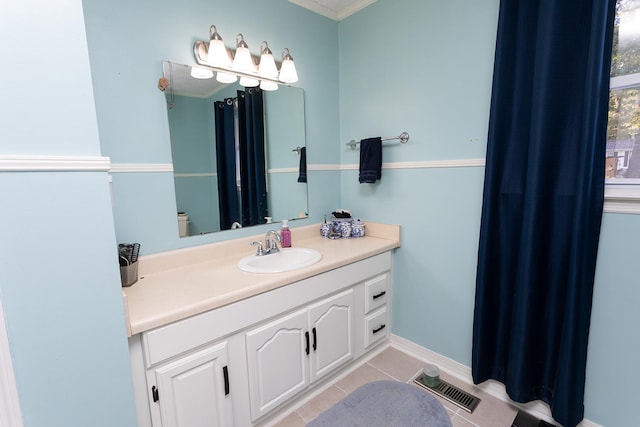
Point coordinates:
[[226, 163], [252, 157], [543, 198]]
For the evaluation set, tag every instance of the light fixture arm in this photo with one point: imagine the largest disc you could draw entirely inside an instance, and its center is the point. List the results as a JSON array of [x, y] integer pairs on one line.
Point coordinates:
[[213, 33], [264, 48]]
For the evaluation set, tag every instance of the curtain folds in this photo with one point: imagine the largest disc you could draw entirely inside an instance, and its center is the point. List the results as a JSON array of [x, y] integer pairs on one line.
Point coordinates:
[[226, 163], [543, 198], [252, 157]]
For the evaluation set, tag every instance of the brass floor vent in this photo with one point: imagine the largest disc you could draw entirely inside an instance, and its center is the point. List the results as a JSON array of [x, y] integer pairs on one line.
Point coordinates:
[[453, 394]]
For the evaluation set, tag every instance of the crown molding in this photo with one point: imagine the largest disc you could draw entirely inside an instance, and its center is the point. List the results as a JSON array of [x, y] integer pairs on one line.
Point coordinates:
[[337, 15]]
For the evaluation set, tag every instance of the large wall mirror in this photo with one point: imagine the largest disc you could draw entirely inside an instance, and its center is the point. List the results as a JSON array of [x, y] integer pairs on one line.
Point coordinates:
[[239, 156]]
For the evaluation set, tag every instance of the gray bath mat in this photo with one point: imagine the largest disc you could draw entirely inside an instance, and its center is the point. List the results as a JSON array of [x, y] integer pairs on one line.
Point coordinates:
[[385, 404]]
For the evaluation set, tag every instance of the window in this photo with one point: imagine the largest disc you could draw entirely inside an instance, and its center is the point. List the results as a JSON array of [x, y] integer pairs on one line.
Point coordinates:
[[623, 132]]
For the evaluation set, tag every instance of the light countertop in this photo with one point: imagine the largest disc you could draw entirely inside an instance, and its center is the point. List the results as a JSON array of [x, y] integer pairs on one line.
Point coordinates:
[[178, 284]]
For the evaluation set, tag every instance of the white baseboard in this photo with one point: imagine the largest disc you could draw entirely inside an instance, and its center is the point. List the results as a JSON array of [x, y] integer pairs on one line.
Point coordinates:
[[462, 372]]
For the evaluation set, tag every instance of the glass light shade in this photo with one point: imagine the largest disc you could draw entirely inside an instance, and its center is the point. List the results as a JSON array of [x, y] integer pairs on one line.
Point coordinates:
[[226, 77], [267, 85], [217, 54], [288, 73], [267, 66], [242, 61], [248, 82], [201, 73]]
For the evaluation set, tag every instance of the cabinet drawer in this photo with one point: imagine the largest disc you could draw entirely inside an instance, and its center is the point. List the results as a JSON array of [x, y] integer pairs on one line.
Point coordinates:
[[375, 292], [376, 327]]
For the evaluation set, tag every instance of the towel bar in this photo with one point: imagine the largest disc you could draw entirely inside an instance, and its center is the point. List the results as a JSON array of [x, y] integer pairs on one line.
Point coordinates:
[[403, 137]]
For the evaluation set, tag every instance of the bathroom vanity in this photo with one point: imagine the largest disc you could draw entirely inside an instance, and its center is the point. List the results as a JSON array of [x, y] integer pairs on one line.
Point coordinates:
[[211, 344]]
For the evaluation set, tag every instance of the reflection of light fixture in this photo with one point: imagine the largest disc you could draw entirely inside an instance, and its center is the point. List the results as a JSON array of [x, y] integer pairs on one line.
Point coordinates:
[[226, 77], [288, 72], [268, 85], [216, 56], [248, 81], [201, 73]]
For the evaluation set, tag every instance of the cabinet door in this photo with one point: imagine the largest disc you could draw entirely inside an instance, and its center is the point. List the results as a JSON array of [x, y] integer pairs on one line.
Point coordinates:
[[193, 390], [331, 322], [277, 361]]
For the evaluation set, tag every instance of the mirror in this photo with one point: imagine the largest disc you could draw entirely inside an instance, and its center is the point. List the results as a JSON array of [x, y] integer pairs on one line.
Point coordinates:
[[212, 182]]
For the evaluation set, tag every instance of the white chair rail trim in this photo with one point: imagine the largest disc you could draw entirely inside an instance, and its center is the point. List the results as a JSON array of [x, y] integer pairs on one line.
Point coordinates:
[[623, 199], [38, 163]]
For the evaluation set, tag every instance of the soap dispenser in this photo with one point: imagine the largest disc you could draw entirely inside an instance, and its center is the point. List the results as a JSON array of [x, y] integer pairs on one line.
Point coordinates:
[[285, 233]]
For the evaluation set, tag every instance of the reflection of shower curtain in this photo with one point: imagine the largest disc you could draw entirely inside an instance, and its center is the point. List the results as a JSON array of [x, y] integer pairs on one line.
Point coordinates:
[[226, 163], [252, 157]]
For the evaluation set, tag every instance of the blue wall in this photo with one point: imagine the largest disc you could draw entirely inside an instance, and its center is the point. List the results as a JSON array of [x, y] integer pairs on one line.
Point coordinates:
[[65, 320], [59, 278], [449, 46]]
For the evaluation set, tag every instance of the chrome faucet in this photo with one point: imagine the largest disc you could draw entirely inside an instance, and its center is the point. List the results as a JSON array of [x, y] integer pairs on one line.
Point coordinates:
[[270, 246]]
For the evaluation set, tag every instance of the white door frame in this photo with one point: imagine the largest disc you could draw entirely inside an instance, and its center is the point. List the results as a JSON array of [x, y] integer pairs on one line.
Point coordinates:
[[10, 414]]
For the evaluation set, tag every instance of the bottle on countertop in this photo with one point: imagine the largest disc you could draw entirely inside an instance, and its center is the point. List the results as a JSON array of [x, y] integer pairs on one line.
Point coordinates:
[[285, 233]]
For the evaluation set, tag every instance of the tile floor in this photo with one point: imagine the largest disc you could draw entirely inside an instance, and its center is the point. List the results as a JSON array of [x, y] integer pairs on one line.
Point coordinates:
[[393, 364]]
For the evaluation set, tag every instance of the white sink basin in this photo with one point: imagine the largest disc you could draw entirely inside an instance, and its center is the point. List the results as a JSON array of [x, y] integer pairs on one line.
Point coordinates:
[[288, 259]]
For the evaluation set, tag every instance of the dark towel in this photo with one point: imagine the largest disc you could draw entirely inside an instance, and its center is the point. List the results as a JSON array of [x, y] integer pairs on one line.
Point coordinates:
[[302, 176], [370, 160]]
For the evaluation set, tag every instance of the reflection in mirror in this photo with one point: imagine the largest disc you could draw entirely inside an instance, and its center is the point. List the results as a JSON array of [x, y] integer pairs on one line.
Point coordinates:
[[238, 153]]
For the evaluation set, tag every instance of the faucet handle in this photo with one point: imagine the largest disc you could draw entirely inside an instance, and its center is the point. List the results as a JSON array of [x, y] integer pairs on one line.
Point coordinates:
[[260, 251]]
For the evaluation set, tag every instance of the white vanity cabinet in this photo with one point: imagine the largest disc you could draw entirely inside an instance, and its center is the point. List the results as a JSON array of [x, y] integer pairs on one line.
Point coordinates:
[[238, 364], [376, 292], [195, 389], [287, 354]]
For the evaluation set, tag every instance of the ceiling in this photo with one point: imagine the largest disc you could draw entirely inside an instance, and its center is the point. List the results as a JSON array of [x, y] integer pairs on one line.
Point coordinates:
[[334, 9]]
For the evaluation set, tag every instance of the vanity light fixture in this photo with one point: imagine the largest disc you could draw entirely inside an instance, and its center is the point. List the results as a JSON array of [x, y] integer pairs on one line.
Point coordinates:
[[229, 64]]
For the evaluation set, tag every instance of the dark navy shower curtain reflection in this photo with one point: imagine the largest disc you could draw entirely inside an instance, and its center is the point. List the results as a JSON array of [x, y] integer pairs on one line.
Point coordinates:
[[543, 198], [252, 156], [226, 163]]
